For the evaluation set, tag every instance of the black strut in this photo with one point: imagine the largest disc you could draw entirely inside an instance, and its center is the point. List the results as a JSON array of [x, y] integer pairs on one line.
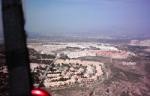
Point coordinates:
[[16, 51]]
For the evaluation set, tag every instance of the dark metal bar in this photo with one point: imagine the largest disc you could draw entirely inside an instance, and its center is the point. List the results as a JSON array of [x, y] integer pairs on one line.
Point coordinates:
[[50, 66], [16, 50]]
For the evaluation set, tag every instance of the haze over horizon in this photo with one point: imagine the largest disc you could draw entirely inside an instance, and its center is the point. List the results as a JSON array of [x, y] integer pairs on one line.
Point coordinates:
[[88, 17]]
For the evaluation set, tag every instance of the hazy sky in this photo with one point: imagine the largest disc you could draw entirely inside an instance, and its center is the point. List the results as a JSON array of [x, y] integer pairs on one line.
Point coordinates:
[[94, 16], [87, 16]]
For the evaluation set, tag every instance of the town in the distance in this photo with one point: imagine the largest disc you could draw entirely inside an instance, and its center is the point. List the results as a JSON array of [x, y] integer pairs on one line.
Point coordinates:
[[116, 68]]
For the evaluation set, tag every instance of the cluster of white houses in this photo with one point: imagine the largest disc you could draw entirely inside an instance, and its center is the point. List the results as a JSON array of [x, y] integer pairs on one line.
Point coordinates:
[[70, 72], [87, 71]]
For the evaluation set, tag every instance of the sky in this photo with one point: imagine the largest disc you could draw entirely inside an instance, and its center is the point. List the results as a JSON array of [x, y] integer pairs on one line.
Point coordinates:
[[60, 17], [87, 17]]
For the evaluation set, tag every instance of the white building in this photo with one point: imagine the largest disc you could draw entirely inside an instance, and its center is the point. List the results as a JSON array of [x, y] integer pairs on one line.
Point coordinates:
[[79, 54]]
